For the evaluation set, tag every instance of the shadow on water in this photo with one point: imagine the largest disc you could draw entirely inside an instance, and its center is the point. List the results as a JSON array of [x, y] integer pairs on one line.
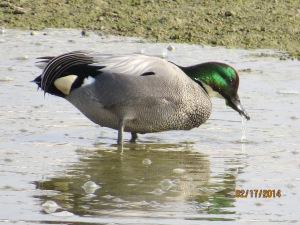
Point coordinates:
[[146, 180]]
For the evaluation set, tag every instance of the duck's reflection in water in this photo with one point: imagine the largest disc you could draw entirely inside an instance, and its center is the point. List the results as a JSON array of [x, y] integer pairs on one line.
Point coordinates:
[[143, 177]]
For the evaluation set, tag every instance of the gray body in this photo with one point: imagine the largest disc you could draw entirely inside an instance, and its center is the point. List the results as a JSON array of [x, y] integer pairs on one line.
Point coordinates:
[[168, 100], [139, 94]]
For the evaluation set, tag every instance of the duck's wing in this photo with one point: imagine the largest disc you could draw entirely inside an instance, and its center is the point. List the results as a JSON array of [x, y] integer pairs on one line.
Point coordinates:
[[72, 70], [140, 80]]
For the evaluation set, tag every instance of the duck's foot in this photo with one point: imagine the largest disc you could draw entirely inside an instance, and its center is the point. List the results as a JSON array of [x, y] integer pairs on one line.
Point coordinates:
[[134, 136]]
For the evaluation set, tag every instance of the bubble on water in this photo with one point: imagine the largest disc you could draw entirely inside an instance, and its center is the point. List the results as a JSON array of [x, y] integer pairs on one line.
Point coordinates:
[[288, 92], [146, 162], [119, 200], [141, 51], [177, 181], [6, 79], [88, 197], [50, 206], [206, 204], [90, 184], [154, 203], [63, 214], [179, 170], [291, 185], [11, 68], [232, 193], [157, 191], [108, 196], [120, 206], [166, 184], [144, 203], [90, 187]]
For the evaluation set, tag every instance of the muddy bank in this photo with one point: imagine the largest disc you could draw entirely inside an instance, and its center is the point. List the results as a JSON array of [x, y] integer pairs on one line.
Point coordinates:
[[272, 24]]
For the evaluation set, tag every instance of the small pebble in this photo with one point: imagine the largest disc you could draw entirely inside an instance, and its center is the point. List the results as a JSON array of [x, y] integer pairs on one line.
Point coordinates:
[[18, 10], [25, 57], [33, 33], [85, 33], [2, 30], [282, 58], [229, 13], [5, 4], [171, 48]]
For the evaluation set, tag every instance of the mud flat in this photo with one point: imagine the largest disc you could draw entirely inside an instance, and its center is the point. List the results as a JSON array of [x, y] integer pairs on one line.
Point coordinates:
[[272, 24]]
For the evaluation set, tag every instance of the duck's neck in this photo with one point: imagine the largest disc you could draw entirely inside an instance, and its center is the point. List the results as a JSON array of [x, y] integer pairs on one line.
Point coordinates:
[[207, 75], [206, 72]]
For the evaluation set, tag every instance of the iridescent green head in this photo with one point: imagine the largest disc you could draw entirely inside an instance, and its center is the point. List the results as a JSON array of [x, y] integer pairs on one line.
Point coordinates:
[[218, 80]]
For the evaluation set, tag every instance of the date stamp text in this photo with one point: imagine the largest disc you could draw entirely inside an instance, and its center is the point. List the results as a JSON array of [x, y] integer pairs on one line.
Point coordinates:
[[257, 193]]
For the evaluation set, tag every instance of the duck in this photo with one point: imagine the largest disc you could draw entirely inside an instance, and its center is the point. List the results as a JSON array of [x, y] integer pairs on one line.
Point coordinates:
[[138, 93]]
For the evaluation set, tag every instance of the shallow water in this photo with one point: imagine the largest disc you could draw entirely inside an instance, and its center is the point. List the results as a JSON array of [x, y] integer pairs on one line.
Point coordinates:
[[49, 150]]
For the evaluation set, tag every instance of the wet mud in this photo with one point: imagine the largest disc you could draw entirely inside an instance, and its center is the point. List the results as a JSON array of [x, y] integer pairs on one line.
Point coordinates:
[[272, 24]]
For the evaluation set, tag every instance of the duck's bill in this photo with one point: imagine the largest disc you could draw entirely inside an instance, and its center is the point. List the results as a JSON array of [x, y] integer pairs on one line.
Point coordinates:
[[235, 103]]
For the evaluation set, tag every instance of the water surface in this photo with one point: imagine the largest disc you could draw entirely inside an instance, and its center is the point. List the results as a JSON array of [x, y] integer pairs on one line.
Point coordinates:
[[49, 150]]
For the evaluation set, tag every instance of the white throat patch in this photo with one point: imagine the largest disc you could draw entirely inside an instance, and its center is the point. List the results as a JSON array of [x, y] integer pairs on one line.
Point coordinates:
[[210, 91]]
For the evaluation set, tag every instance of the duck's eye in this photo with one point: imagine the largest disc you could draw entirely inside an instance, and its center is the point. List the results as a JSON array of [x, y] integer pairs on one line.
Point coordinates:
[[230, 81]]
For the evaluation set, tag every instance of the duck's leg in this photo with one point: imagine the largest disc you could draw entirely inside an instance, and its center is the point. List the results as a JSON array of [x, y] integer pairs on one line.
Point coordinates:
[[120, 131], [134, 136]]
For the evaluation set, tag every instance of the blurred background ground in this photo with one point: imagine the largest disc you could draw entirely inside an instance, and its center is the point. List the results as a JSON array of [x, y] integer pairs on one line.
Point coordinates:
[[271, 24]]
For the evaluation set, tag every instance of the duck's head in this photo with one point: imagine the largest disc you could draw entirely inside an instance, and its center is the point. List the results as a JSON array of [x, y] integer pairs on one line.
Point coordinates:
[[218, 80]]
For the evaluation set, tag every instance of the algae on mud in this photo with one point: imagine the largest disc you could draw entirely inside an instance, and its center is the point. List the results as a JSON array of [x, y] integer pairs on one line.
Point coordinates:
[[272, 24]]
